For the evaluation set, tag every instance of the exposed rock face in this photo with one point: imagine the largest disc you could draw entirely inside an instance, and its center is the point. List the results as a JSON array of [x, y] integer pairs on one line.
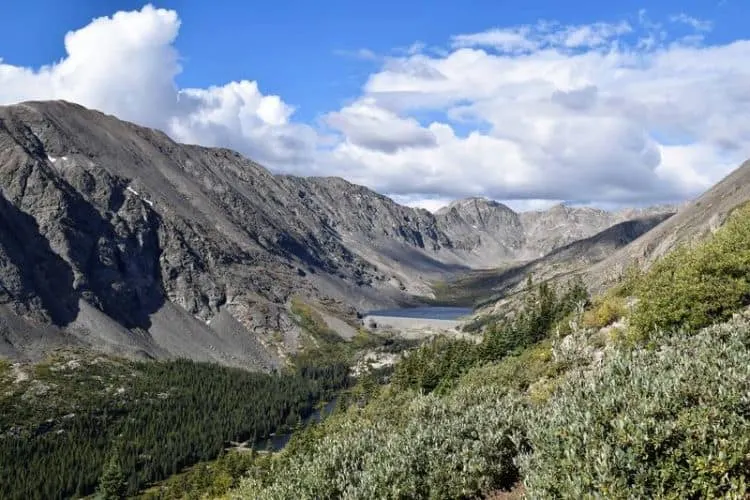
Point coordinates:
[[486, 229], [492, 233], [116, 237]]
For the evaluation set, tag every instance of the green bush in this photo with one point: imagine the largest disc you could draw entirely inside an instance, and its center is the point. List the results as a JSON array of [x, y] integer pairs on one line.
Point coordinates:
[[453, 447], [604, 312], [438, 364], [694, 287], [435, 365], [514, 372], [207, 479], [672, 422], [543, 308]]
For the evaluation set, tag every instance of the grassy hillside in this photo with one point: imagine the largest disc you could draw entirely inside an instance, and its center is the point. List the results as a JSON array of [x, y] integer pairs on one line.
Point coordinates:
[[635, 395]]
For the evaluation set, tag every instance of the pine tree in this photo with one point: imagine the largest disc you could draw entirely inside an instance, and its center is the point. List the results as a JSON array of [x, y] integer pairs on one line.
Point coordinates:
[[112, 485]]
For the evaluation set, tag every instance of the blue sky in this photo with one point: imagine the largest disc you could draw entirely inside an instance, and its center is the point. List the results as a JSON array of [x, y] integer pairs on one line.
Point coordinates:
[[293, 47], [352, 101]]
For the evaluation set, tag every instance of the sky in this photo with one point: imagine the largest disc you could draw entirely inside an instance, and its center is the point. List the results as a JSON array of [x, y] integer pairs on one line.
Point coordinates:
[[531, 103]]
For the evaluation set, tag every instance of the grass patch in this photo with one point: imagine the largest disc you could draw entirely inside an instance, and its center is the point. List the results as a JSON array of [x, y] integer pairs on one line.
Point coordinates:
[[312, 321], [5, 368], [604, 311]]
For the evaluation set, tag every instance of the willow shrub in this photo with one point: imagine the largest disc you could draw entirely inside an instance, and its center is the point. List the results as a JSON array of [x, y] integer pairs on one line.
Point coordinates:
[[695, 287], [672, 422], [454, 446]]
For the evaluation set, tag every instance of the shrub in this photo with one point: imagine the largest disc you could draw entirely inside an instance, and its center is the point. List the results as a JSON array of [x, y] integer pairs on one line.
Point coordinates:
[[435, 365], [514, 372], [5, 369], [605, 311], [672, 422], [543, 309], [453, 447], [694, 287]]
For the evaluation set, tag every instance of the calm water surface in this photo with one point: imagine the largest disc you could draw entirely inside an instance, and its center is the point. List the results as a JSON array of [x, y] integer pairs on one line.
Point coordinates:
[[429, 312], [278, 441]]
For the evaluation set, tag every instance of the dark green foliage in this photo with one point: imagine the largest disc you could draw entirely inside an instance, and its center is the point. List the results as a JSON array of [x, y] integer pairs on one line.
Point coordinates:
[[205, 479], [438, 364], [112, 485], [166, 415], [543, 308], [435, 364]]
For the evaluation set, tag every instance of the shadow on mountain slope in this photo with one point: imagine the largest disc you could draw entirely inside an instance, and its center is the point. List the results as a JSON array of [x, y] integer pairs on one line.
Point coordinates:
[[36, 277], [481, 287]]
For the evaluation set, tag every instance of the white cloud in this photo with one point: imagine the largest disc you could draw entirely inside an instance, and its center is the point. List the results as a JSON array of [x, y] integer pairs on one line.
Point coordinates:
[[606, 112], [126, 65], [239, 116], [543, 35], [693, 22], [430, 204], [507, 40], [613, 122], [362, 53], [365, 124]]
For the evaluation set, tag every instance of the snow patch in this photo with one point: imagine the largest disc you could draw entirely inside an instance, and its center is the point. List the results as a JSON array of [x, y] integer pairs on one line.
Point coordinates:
[[133, 191], [51, 159]]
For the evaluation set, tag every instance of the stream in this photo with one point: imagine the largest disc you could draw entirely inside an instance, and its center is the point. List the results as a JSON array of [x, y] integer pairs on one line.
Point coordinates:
[[277, 441]]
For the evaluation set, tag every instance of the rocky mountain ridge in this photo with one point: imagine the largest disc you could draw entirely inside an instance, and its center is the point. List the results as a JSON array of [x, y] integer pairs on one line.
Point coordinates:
[[114, 236], [494, 233]]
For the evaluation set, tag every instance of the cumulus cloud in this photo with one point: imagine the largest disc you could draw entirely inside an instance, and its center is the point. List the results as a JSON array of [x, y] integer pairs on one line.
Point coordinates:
[[365, 124], [606, 112], [126, 65], [584, 113]]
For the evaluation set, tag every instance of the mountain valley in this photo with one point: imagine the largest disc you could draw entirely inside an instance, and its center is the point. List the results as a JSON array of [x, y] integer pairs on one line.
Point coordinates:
[[144, 247], [166, 308]]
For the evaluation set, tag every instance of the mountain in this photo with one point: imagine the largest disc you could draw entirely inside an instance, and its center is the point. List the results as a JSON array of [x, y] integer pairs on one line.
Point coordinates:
[[491, 233], [692, 222], [603, 259], [113, 236], [487, 285]]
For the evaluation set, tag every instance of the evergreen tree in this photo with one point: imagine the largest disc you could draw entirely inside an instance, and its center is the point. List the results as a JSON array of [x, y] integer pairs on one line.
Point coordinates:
[[112, 484]]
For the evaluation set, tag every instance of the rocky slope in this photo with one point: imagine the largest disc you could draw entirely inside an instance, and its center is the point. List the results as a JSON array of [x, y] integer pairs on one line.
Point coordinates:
[[691, 223], [113, 236], [488, 285], [492, 233]]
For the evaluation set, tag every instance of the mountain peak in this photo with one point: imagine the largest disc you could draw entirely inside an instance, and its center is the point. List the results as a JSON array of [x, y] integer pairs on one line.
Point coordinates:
[[474, 202]]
